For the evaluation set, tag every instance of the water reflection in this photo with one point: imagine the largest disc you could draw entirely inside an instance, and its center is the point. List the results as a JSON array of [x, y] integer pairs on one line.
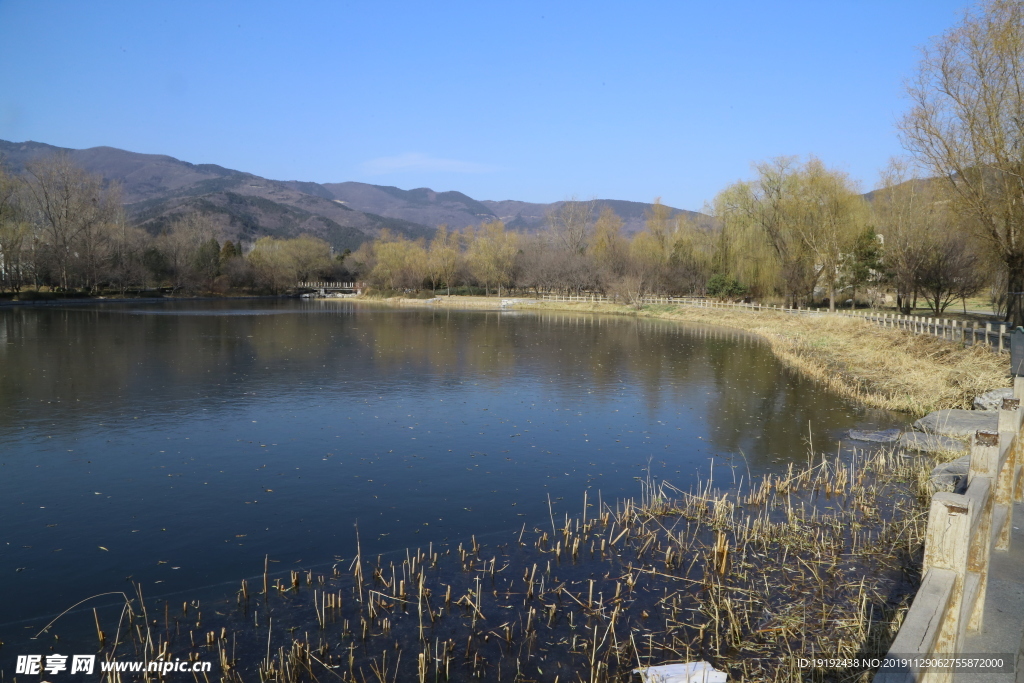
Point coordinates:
[[177, 444]]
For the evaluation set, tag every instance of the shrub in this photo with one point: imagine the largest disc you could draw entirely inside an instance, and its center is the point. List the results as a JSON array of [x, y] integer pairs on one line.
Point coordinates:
[[723, 286]]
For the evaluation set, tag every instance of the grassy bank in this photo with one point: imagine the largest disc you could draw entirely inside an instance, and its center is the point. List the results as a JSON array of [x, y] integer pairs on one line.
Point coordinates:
[[881, 367]]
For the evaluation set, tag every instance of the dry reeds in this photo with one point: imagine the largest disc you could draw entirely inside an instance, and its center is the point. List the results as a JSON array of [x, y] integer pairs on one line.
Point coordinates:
[[812, 561]]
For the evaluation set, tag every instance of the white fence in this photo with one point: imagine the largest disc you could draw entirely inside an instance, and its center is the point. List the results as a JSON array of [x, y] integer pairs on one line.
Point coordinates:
[[995, 335], [331, 285]]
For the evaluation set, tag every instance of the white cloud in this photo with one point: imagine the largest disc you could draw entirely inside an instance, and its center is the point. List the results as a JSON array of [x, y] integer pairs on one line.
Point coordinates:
[[413, 161]]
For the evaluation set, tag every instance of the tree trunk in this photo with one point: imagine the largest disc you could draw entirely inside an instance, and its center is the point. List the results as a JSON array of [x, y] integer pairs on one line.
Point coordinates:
[[1015, 291], [831, 297]]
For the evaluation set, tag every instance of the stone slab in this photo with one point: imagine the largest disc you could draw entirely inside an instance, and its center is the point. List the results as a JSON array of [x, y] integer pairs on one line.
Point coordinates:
[[957, 423], [951, 476], [992, 400], [932, 443], [880, 436]]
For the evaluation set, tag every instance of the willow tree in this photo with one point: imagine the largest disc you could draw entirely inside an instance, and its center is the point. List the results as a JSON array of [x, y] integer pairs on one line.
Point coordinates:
[[833, 214], [609, 249], [281, 263], [696, 253], [399, 262], [443, 258], [659, 225], [491, 255], [966, 126], [788, 229], [763, 248]]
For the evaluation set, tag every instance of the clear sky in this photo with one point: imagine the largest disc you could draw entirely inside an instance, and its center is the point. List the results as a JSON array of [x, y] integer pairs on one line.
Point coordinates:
[[512, 100]]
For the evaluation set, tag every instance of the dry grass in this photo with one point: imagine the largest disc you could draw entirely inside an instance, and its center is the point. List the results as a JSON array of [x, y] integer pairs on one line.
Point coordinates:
[[881, 367], [484, 302]]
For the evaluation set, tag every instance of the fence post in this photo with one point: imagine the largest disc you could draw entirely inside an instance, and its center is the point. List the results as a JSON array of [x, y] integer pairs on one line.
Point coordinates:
[[984, 465], [1009, 428], [947, 545], [1016, 487]]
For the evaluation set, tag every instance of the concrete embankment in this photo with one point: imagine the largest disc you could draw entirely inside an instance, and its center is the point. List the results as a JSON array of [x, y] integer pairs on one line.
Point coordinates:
[[970, 604]]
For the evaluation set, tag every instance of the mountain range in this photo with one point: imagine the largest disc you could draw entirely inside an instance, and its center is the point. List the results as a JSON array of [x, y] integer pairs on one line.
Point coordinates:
[[156, 189]]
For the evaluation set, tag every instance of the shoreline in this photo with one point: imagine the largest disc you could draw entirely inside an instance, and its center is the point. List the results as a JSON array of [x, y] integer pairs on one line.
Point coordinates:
[[135, 300], [878, 367]]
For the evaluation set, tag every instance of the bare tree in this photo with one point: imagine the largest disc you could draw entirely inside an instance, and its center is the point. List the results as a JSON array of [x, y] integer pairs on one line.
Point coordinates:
[[951, 271], [905, 209], [96, 240], [570, 224], [182, 248], [128, 269], [967, 127], [69, 203]]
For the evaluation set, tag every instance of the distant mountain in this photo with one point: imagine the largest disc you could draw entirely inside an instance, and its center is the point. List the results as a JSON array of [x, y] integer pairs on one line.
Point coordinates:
[[158, 188]]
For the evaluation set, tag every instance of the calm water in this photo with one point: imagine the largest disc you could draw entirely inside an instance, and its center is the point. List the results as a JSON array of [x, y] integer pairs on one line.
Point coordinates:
[[177, 444]]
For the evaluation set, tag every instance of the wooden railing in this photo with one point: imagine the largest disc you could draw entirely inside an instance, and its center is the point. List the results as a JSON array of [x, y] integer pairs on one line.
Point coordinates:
[[963, 529]]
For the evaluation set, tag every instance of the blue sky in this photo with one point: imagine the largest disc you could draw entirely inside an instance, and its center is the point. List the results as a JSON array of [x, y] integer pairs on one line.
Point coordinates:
[[529, 101]]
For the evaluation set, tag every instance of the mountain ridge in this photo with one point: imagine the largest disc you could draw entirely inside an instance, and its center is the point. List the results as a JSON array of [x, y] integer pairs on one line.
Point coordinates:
[[157, 188]]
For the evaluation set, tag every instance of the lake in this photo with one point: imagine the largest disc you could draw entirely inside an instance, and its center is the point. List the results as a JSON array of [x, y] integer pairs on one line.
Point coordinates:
[[177, 444]]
